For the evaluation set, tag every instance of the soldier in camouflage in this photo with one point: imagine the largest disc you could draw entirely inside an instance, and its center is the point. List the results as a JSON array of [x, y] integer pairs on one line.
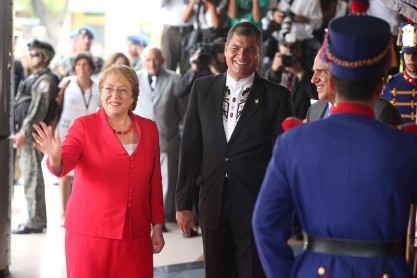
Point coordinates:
[[37, 91]]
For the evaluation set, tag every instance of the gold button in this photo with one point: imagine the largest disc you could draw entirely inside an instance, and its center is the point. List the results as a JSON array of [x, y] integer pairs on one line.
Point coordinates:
[[385, 275], [321, 271]]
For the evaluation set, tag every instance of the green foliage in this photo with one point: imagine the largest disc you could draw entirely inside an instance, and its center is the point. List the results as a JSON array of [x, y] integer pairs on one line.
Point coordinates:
[[55, 6], [25, 6]]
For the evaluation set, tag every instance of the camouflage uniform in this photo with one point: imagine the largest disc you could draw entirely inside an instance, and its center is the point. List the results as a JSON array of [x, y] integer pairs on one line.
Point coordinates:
[[42, 90]]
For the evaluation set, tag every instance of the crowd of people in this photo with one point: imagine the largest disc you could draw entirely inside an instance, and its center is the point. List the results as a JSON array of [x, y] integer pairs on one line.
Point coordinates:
[[192, 132]]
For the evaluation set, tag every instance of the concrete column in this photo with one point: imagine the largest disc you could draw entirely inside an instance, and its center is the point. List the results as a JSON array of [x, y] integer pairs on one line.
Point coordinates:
[[6, 167]]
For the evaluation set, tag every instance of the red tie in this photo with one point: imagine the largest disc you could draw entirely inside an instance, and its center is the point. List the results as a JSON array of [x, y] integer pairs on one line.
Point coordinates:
[[332, 109]]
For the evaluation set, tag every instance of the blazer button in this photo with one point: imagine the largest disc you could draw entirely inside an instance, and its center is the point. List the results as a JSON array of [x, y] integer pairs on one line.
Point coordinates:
[[226, 159], [321, 271], [385, 275]]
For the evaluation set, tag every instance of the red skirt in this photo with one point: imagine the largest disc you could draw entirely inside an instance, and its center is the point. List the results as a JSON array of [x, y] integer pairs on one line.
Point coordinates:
[[91, 257]]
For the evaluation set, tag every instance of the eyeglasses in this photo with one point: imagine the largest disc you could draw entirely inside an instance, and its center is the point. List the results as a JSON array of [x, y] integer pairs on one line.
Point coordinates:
[[34, 54], [110, 90]]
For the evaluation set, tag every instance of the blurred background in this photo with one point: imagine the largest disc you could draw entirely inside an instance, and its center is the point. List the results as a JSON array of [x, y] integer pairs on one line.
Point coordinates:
[[112, 20]]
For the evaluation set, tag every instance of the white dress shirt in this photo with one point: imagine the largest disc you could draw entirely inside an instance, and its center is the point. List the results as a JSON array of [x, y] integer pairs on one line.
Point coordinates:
[[234, 99]]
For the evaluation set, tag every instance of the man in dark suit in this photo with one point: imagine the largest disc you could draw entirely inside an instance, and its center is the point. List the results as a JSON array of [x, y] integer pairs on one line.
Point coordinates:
[[231, 125], [384, 111]]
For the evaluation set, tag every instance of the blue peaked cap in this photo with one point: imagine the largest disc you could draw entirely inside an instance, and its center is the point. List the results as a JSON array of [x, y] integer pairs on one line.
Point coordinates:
[[86, 30], [358, 46], [138, 40]]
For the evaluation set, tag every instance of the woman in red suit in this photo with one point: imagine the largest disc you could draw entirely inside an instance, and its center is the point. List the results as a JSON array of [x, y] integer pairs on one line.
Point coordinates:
[[115, 212]]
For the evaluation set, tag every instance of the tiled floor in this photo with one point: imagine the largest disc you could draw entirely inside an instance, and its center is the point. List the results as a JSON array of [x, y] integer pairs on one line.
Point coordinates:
[[42, 255]]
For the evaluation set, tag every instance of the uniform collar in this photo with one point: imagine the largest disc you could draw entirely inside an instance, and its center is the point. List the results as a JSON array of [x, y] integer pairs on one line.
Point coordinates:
[[354, 108], [409, 78]]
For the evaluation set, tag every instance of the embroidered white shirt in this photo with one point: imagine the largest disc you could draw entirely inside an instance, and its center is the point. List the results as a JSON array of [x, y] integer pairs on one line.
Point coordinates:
[[234, 98]]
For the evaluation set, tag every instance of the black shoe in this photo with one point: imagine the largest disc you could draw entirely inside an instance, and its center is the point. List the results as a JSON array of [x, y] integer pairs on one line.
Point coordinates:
[[192, 233], [22, 229], [164, 229]]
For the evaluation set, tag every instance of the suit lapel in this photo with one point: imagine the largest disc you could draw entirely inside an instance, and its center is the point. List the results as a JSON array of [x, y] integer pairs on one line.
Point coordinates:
[[253, 103], [321, 112], [318, 110], [107, 133]]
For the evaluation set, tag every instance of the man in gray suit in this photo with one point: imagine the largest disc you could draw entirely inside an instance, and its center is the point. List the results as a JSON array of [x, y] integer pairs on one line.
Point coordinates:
[[158, 102], [384, 111]]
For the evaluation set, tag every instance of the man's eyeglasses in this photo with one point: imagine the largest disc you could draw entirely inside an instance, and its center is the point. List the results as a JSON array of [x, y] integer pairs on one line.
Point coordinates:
[[34, 54], [110, 90]]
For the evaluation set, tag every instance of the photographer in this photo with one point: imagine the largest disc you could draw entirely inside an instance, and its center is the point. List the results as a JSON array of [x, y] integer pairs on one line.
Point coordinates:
[[207, 18], [288, 70], [208, 59], [297, 18]]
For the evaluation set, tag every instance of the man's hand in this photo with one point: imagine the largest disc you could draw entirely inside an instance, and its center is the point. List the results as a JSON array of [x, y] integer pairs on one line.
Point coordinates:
[[185, 219], [301, 19], [19, 140], [278, 16], [277, 62]]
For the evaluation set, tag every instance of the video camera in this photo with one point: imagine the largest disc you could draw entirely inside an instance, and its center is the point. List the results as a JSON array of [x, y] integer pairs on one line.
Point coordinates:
[[288, 60], [207, 51]]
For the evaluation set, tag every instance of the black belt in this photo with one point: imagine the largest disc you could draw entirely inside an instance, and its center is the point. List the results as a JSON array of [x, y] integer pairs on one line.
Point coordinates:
[[180, 29], [356, 248]]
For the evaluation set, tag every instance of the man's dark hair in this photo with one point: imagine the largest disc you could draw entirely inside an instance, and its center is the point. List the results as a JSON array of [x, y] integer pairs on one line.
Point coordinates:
[[246, 29], [358, 90]]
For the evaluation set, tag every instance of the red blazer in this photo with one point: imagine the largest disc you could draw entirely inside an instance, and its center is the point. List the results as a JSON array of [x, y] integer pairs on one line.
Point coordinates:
[[108, 182]]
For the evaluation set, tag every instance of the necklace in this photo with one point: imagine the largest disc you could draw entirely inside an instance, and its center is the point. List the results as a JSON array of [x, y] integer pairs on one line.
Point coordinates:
[[123, 132]]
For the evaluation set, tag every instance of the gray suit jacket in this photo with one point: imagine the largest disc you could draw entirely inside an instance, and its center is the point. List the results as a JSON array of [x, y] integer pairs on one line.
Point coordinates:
[[385, 112], [165, 108]]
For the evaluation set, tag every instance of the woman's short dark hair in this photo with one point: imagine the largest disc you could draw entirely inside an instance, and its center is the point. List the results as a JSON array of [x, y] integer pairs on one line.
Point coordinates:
[[88, 57], [113, 58], [126, 72]]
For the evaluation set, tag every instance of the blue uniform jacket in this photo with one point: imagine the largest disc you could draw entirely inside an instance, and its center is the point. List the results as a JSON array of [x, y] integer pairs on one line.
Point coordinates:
[[348, 177], [401, 90]]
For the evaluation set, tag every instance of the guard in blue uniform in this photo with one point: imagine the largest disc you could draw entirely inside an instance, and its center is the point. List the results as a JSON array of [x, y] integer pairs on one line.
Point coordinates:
[[401, 89], [350, 178]]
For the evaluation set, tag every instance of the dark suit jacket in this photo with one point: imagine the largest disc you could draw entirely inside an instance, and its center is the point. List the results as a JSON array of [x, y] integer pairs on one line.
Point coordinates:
[[302, 93], [206, 157], [384, 111]]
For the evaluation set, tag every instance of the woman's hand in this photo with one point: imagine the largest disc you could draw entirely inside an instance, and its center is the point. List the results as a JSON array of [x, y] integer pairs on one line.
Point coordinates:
[[157, 238], [48, 144]]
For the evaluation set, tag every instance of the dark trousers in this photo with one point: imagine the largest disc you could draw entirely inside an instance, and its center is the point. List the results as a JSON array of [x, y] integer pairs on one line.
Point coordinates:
[[229, 250], [169, 208], [173, 47]]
